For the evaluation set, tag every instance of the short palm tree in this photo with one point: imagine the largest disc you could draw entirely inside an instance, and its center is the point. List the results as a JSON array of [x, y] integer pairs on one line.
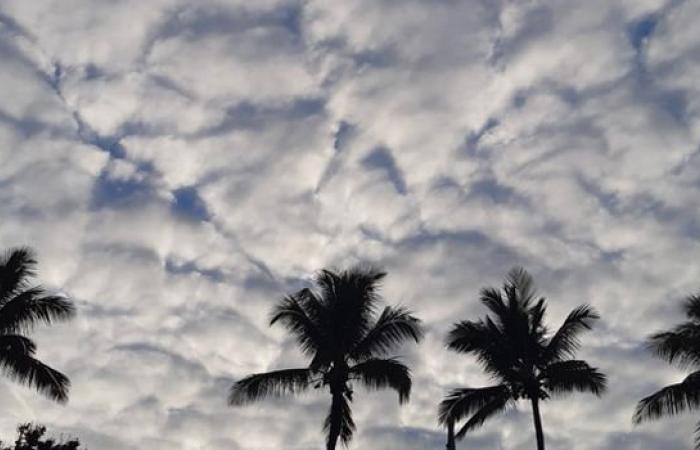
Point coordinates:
[[22, 306], [337, 327], [681, 346], [514, 347]]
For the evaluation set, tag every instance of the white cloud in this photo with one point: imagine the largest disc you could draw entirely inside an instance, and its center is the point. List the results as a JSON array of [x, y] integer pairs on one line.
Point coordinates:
[[180, 166]]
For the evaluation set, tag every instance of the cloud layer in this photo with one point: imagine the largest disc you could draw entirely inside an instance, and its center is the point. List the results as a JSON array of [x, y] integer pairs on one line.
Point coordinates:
[[180, 166]]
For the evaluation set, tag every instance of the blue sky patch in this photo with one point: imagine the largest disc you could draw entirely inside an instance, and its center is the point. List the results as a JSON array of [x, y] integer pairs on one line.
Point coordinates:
[[189, 204]]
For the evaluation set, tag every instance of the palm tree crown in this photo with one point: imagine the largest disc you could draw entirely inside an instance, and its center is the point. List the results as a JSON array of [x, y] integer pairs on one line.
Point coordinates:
[[22, 306], [681, 346], [336, 325], [514, 347]]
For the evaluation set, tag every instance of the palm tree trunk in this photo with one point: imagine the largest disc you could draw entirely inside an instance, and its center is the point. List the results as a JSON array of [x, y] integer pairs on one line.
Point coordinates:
[[538, 423], [335, 419], [451, 435]]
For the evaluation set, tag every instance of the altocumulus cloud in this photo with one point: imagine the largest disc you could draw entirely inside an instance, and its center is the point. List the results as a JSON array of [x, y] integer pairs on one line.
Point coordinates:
[[180, 165]]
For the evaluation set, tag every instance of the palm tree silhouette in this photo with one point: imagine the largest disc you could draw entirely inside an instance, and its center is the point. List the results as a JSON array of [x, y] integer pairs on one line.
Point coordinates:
[[681, 346], [335, 325], [514, 347], [22, 306]]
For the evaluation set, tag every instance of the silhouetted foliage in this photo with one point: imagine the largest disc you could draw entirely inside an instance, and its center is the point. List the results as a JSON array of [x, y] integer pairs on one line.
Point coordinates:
[[22, 306], [680, 346], [515, 348], [31, 437], [335, 325]]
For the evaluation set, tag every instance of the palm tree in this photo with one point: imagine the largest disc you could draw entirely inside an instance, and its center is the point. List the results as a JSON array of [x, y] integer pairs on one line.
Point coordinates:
[[681, 346], [336, 326], [514, 347], [22, 306]]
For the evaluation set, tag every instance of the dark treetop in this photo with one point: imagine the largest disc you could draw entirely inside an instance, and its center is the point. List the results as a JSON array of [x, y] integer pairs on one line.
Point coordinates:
[[22, 306], [513, 346], [681, 346], [338, 324]]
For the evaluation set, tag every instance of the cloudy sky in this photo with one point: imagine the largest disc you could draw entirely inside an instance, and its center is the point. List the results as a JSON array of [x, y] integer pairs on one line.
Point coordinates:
[[180, 165]]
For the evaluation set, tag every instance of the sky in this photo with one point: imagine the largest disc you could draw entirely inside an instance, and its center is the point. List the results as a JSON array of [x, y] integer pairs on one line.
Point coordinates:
[[179, 166]]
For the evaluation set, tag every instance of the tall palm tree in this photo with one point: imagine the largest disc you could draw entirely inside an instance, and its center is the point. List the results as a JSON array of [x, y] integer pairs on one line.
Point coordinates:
[[22, 306], [680, 345], [515, 348], [336, 325]]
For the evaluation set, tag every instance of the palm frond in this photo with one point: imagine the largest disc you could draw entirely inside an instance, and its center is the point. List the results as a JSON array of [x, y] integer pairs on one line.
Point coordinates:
[[299, 315], [31, 307], [490, 409], [384, 373], [573, 375], [361, 289], [462, 402], [20, 366], [351, 297], [366, 277], [328, 282], [521, 283], [360, 284], [565, 341], [681, 345], [691, 307], [493, 300], [484, 339], [536, 315], [16, 266], [17, 344], [469, 336], [514, 313], [671, 400], [270, 384], [339, 422], [394, 326]]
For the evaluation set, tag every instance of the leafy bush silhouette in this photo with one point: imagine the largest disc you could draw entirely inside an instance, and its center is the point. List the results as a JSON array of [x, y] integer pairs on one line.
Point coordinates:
[[31, 437]]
